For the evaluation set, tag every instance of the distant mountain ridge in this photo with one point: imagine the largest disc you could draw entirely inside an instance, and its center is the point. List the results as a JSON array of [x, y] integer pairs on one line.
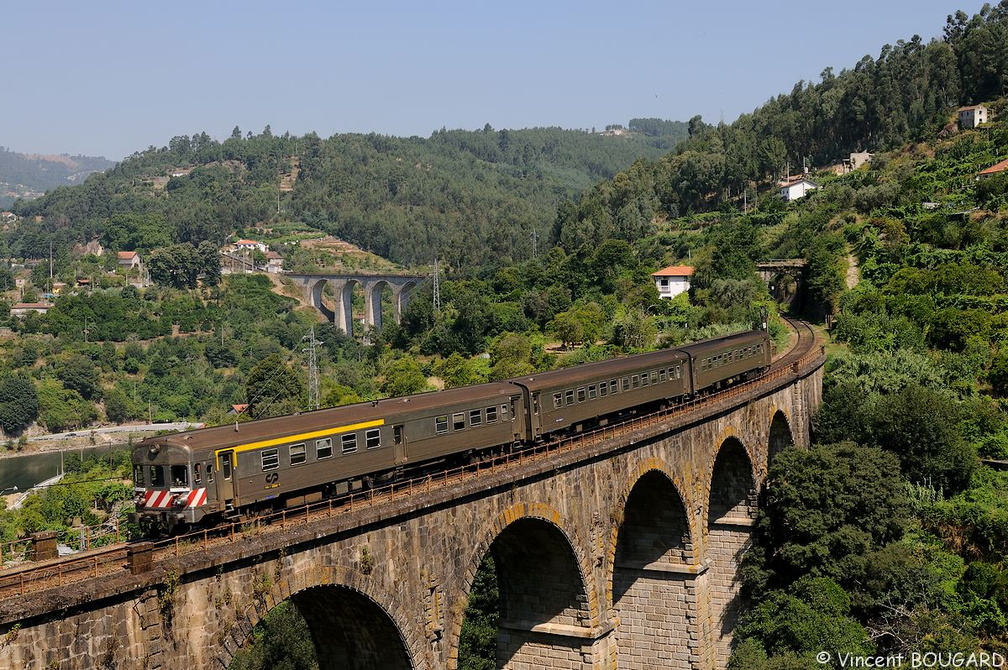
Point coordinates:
[[31, 175]]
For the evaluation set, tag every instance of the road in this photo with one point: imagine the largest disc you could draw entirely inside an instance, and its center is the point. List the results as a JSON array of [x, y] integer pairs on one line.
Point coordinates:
[[104, 430]]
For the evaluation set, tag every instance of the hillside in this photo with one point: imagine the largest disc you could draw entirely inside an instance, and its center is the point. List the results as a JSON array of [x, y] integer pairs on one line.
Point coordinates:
[[474, 198], [30, 175]]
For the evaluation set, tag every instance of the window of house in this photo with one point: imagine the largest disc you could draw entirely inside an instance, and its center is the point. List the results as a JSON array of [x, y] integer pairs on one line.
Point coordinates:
[[270, 459], [298, 454]]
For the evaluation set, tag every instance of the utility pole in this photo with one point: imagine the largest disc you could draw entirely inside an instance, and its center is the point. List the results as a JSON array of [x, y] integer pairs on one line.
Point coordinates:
[[535, 245], [437, 288], [314, 399]]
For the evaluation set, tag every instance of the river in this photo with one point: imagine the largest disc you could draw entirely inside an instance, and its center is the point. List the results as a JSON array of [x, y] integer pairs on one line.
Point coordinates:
[[27, 470]]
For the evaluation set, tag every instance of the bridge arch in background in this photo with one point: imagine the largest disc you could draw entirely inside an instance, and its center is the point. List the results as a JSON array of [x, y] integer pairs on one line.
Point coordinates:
[[780, 436]]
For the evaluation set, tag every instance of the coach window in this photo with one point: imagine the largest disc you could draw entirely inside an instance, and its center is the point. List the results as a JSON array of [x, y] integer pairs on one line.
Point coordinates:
[[644, 379], [603, 389], [298, 454], [372, 438], [569, 397], [582, 395], [661, 375], [504, 410], [654, 377], [349, 443], [491, 413], [613, 387], [635, 381], [591, 392], [458, 421], [270, 459], [441, 424], [157, 475], [626, 383], [475, 417], [678, 372], [557, 400], [323, 448]]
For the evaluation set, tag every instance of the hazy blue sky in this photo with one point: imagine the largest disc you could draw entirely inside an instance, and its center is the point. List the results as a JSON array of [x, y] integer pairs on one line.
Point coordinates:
[[113, 77]]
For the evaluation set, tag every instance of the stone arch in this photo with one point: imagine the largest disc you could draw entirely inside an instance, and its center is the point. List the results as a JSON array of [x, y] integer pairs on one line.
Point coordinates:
[[784, 287], [373, 317], [526, 543], [731, 512], [401, 296], [653, 590], [314, 290], [354, 624], [779, 437]]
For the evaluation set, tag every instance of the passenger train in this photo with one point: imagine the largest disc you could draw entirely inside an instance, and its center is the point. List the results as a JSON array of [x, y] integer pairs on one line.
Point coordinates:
[[239, 470]]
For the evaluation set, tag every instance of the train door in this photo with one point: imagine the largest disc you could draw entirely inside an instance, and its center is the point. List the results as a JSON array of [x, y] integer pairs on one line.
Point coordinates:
[[399, 444], [225, 476]]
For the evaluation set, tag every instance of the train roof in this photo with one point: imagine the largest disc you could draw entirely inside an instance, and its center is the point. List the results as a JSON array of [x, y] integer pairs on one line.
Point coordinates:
[[613, 367], [222, 437], [724, 342]]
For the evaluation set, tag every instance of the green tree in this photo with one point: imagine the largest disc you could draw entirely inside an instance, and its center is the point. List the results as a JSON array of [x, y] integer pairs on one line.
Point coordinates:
[[273, 388], [404, 377], [18, 403], [79, 374], [281, 641]]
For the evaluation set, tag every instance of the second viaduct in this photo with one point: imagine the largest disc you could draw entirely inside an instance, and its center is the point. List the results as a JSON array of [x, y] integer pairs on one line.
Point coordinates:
[[617, 550]]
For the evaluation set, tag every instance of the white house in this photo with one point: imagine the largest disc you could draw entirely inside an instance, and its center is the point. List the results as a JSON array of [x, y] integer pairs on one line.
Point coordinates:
[[249, 245], [973, 116], [20, 309], [274, 262], [128, 260], [672, 281], [797, 188]]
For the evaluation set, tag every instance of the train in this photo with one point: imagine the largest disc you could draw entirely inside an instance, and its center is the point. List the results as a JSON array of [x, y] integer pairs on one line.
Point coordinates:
[[240, 470]]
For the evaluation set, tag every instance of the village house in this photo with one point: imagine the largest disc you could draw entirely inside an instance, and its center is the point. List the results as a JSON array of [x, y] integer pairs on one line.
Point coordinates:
[[997, 168], [274, 263], [249, 245], [796, 188], [672, 281], [973, 116], [129, 260], [22, 309]]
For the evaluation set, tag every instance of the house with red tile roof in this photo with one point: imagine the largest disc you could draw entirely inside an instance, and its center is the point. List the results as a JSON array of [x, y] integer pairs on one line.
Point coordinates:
[[672, 281]]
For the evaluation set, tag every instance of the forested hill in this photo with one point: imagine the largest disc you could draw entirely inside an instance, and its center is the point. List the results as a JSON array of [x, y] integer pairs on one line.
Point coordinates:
[[907, 94], [470, 197], [23, 175]]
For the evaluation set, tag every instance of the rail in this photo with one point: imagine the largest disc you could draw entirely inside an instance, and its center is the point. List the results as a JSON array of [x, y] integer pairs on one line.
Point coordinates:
[[102, 562]]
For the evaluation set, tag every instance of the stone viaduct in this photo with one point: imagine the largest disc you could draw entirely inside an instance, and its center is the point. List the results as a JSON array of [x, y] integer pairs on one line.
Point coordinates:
[[619, 552], [343, 287]]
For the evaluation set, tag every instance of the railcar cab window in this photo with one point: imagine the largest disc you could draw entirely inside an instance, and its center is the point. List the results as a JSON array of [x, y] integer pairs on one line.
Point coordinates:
[[372, 438], [157, 475], [441, 424], [504, 410], [458, 421], [298, 454], [491, 414], [270, 459], [197, 474], [323, 448], [349, 443], [475, 417], [138, 475], [180, 475]]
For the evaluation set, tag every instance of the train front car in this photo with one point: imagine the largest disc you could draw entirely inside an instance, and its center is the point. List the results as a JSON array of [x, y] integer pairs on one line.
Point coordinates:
[[169, 485]]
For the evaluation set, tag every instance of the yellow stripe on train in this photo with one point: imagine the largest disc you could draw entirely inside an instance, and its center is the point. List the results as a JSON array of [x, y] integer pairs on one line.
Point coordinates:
[[303, 436]]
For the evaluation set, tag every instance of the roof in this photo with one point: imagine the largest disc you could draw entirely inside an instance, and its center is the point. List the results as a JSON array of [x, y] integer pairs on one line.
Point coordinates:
[[798, 181], [126, 255], [972, 107], [674, 271], [997, 167], [30, 305], [272, 255], [247, 242]]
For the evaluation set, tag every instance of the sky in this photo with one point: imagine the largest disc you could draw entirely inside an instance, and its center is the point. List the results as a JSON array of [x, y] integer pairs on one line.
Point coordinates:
[[111, 77]]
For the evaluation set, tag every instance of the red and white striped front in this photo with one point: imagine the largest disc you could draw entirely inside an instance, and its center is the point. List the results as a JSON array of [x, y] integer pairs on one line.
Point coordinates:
[[165, 499]]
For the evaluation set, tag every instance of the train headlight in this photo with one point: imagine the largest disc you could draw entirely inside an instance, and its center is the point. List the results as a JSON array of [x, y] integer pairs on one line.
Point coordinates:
[[139, 500]]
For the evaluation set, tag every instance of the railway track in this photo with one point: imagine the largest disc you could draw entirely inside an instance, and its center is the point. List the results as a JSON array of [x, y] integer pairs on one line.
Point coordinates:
[[99, 563]]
